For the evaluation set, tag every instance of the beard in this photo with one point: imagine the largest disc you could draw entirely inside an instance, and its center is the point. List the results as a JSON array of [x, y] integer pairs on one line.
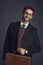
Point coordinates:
[[26, 19]]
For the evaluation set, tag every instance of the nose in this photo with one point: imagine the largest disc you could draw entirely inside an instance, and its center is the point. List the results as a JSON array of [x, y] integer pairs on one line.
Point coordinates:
[[28, 15]]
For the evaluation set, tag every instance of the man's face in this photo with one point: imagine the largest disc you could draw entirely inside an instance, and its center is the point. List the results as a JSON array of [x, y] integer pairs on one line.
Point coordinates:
[[27, 15]]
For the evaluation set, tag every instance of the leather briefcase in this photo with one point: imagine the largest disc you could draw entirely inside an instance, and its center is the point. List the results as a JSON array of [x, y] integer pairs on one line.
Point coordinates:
[[13, 59]]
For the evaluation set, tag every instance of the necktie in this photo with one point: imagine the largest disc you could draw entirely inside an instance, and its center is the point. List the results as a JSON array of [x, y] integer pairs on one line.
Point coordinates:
[[23, 26]]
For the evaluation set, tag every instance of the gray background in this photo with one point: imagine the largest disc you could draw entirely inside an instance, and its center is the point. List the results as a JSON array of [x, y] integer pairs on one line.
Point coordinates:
[[11, 11]]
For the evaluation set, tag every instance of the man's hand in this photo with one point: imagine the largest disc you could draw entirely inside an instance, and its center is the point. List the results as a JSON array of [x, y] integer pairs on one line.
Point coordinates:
[[21, 51]]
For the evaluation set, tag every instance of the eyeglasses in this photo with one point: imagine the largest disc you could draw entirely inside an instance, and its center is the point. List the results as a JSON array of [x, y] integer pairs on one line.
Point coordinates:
[[28, 14]]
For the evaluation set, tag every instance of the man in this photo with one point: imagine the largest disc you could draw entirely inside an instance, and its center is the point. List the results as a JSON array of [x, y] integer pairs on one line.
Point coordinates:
[[22, 37]]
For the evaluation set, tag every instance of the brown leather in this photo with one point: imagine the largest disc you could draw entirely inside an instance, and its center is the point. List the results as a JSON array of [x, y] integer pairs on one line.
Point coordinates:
[[12, 59]]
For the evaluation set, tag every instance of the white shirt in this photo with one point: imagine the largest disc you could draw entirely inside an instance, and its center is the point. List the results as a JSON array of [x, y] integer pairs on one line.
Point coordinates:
[[26, 24]]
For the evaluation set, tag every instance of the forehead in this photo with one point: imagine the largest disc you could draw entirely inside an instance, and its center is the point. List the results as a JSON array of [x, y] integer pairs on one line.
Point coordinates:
[[29, 11]]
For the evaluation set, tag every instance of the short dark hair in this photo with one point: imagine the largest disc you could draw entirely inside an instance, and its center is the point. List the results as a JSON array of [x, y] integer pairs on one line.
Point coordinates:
[[28, 7]]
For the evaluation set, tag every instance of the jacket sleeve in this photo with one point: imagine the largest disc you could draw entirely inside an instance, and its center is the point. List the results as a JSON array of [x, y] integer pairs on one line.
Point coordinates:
[[36, 47], [7, 42]]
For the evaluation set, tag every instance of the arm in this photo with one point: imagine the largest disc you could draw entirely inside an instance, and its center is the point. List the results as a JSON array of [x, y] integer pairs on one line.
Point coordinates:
[[36, 47], [7, 42]]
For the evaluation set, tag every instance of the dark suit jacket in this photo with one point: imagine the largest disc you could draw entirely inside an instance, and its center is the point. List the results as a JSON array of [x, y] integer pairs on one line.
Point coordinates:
[[30, 40]]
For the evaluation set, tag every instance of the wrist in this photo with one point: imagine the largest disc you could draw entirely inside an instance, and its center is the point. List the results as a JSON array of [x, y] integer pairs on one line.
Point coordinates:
[[26, 51]]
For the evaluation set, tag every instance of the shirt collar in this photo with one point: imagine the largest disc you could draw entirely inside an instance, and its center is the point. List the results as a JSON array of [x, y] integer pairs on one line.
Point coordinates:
[[26, 24]]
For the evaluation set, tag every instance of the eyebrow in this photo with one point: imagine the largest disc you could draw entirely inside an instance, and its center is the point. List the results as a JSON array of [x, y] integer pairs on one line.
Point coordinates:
[[28, 13]]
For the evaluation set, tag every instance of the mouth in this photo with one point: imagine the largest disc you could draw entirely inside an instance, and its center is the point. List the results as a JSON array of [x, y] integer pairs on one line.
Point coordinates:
[[27, 18]]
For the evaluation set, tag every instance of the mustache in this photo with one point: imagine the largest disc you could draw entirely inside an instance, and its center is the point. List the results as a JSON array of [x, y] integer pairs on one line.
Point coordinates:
[[26, 17]]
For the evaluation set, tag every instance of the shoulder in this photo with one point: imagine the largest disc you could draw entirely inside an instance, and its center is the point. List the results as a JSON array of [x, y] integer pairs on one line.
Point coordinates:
[[13, 24], [33, 30], [32, 27]]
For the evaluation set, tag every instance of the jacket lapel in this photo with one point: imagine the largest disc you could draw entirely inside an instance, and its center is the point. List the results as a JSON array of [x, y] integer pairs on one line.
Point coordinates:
[[25, 38]]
